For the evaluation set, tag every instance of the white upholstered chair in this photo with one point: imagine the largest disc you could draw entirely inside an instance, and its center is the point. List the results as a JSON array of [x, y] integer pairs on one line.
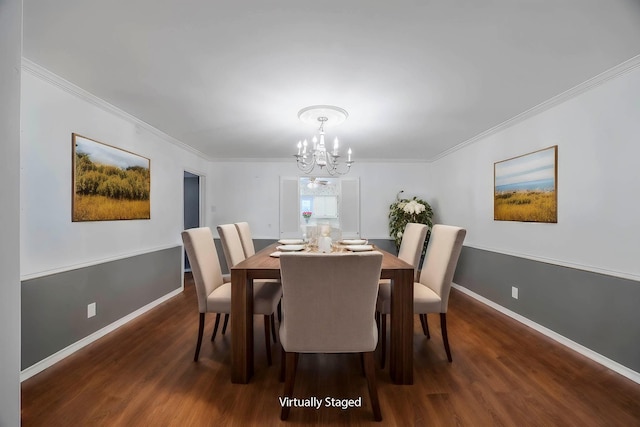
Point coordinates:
[[234, 254], [431, 293], [329, 303], [214, 295], [410, 251], [244, 232], [245, 238]]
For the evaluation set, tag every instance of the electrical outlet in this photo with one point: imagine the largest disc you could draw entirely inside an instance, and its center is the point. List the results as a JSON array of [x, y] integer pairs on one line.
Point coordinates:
[[91, 310], [514, 292]]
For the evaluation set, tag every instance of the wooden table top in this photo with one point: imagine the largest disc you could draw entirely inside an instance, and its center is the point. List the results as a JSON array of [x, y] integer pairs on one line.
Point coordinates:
[[263, 266]]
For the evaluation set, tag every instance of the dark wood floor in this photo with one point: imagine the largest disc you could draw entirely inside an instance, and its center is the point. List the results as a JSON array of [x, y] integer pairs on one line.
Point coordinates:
[[503, 374]]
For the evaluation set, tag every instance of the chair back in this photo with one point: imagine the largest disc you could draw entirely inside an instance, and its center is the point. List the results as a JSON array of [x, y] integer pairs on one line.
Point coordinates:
[[329, 302], [412, 243], [245, 237], [441, 260], [231, 244], [205, 265]]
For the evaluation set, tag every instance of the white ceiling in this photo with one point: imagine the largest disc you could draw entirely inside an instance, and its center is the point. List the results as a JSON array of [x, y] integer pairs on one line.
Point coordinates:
[[417, 77]]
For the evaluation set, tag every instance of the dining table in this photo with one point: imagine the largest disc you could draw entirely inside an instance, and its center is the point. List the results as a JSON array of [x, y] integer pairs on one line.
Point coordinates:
[[264, 266]]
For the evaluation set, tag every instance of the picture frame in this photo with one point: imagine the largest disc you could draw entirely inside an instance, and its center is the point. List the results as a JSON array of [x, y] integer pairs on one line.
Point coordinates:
[[108, 183], [526, 187]]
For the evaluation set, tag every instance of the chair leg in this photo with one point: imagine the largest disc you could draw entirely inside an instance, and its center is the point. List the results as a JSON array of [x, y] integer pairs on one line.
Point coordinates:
[[226, 320], [283, 363], [290, 377], [215, 327], [383, 340], [267, 338], [200, 332], [273, 328], [370, 372], [445, 337], [280, 311], [425, 325]]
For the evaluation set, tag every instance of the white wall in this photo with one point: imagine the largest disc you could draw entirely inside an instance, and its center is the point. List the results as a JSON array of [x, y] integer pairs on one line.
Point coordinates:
[[598, 138], [51, 111], [10, 52], [249, 191]]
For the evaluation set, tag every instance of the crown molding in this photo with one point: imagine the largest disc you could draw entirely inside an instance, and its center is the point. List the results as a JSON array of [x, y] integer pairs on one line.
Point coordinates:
[[49, 77], [583, 87], [288, 160]]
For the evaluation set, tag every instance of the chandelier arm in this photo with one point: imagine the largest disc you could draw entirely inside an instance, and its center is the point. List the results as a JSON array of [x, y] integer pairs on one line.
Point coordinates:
[[319, 155]]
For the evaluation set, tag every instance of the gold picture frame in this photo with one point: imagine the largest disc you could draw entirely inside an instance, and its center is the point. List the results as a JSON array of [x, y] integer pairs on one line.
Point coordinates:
[[526, 187], [108, 183]]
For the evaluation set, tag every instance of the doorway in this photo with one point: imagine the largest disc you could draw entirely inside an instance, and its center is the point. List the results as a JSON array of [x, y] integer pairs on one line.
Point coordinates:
[[192, 206]]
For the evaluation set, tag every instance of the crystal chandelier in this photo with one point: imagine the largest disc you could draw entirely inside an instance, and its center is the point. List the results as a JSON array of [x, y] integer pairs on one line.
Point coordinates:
[[316, 154]]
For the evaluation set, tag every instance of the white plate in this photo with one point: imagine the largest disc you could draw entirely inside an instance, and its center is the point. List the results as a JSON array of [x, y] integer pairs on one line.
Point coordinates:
[[290, 248], [359, 248], [291, 241], [354, 242], [275, 254]]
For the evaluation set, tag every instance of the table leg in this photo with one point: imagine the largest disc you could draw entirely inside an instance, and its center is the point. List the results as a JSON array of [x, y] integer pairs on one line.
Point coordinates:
[[242, 327], [401, 343]]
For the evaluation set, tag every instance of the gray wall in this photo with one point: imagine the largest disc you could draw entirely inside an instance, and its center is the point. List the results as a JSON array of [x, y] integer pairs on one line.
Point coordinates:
[[10, 52], [54, 307], [597, 311]]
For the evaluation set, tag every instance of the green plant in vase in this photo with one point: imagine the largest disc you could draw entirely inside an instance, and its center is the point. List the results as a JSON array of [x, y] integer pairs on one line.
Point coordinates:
[[306, 215], [404, 211]]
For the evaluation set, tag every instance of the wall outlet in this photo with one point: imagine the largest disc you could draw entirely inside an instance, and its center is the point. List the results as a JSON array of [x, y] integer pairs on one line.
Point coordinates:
[[91, 310], [514, 292]]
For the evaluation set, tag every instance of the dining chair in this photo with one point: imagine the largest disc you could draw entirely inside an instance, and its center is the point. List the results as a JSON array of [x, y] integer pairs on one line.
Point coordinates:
[[214, 295], [410, 251], [431, 293], [249, 250], [245, 238], [329, 303], [234, 254], [231, 244]]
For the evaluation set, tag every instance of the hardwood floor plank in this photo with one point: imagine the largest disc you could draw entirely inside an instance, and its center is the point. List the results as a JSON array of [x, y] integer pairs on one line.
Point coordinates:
[[503, 374]]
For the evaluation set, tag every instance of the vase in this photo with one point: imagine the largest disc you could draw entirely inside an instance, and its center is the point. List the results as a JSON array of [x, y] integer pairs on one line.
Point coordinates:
[[306, 220]]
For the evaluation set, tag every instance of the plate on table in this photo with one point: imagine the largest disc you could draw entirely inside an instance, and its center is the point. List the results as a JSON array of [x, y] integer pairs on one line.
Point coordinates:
[[291, 241], [275, 254], [353, 242], [290, 248], [359, 248]]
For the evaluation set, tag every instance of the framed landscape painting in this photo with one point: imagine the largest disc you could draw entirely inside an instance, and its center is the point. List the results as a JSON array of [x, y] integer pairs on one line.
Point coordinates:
[[526, 187], [108, 183]]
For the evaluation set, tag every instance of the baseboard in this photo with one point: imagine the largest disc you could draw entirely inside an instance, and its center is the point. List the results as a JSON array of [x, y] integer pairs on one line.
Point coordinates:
[[68, 351], [587, 352]]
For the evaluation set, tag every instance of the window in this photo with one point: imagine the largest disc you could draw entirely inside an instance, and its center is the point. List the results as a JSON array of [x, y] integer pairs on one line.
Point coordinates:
[[333, 201]]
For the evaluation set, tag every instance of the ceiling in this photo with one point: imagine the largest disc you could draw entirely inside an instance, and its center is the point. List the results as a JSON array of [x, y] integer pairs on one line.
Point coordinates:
[[417, 77]]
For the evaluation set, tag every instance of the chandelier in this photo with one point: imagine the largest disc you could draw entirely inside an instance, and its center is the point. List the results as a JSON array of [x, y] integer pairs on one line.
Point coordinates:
[[316, 154]]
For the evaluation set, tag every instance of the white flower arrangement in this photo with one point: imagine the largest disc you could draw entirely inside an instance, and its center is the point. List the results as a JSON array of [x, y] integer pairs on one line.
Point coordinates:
[[414, 207], [404, 211]]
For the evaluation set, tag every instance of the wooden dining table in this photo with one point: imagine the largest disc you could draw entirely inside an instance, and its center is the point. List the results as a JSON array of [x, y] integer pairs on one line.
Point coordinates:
[[263, 266]]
